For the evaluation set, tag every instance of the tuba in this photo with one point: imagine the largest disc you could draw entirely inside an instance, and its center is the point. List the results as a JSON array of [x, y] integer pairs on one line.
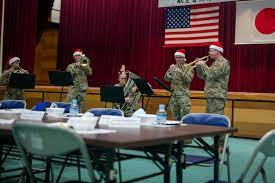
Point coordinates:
[[85, 61], [129, 108]]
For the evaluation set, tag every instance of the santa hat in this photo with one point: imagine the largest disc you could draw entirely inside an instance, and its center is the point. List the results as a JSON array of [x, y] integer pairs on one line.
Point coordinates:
[[180, 52], [13, 59], [217, 46], [78, 52]]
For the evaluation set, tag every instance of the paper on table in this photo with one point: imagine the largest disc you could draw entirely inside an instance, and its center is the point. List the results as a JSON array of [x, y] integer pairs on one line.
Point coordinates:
[[120, 121], [83, 123], [170, 122], [95, 131], [33, 115], [6, 121], [58, 124]]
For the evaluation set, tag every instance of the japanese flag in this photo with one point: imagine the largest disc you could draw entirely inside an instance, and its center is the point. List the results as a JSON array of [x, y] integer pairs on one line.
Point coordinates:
[[255, 22]]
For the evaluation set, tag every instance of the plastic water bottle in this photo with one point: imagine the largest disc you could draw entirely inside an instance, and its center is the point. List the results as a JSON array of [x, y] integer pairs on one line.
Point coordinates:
[[74, 109], [161, 114]]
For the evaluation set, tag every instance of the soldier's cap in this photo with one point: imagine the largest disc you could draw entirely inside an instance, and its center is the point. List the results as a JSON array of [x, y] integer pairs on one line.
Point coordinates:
[[13, 59], [216, 46], [78, 52], [180, 52]]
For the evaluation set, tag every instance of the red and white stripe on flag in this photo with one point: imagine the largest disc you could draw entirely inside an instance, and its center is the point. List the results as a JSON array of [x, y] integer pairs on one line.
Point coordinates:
[[192, 25], [255, 22]]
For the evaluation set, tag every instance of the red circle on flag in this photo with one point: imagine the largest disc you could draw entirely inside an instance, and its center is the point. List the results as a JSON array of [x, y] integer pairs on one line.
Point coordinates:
[[265, 21]]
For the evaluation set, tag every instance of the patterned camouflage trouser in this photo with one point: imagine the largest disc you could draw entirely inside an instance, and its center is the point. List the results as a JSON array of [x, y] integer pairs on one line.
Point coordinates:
[[180, 106], [216, 106], [14, 94], [80, 96]]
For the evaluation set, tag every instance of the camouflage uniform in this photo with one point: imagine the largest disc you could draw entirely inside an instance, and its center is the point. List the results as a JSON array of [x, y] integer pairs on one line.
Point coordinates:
[[131, 92], [180, 83], [79, 89], [12, 93], [216, 84]]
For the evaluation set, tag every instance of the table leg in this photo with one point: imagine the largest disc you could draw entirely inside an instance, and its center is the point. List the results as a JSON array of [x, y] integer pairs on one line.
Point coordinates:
[[1, 158], [168, 163], [179, 161], [48, 170], [110, 172]]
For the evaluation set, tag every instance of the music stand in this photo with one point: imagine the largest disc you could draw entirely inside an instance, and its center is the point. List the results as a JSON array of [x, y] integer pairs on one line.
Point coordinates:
[[165, 87], [110, 93], [145, 89], [22, 81], [60, 78]]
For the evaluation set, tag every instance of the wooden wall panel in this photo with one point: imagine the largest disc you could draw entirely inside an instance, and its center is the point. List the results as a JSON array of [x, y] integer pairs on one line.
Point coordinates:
[[254, 118], [46, 55]]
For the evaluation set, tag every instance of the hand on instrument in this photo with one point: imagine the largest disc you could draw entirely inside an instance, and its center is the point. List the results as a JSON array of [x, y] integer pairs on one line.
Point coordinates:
[[177, 70], [200, 63], [7, 72], [172, 66], [78, 63], [128, 100]]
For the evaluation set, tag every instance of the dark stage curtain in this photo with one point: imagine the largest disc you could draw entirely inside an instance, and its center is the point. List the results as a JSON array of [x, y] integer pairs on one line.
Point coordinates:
[[119, 32], [20, 31]]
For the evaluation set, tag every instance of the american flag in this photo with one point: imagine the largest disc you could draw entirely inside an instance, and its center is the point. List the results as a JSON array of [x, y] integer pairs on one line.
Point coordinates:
[[192, 25]]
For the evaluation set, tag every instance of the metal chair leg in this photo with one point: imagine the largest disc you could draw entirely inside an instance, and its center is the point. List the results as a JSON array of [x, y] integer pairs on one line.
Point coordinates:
[[78, 167], [228, 165]]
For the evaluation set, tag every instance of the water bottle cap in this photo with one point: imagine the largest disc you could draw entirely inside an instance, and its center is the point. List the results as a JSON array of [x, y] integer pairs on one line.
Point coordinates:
[[161, 107], [53, 105], [74, 101]]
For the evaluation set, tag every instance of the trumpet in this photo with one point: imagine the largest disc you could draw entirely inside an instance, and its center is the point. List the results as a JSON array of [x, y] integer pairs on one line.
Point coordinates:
[[204, 59]]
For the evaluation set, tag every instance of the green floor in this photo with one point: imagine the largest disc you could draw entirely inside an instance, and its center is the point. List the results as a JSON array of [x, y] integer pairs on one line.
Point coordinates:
[[241, 150]]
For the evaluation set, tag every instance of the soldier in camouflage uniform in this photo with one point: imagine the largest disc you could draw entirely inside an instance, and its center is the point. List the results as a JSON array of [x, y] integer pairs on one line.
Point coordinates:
[[216, 79], [180, 76], [79, 73], [131, 92], [216, 82], [12, 93]]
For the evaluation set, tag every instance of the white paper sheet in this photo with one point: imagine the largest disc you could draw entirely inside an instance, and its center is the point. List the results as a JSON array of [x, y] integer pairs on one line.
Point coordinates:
[[95, 131]]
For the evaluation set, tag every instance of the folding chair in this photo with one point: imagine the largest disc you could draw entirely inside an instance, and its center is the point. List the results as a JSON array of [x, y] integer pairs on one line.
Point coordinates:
[[12, 104], [266, 147], [106, 111], [114, 112], [211, 120], [41, 106], [37, 139], [8, 151]]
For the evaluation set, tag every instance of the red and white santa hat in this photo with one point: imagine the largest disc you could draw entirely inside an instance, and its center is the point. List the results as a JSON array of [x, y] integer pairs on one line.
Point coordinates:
[[78, 52], [13, 59], [217, 46], [180, 52]]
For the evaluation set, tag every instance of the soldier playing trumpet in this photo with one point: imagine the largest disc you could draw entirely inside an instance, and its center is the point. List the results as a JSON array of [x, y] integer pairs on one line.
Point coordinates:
[[180, 76], [216, 79], [216, 82], [12, 93], [131, 92], [80, 69]]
